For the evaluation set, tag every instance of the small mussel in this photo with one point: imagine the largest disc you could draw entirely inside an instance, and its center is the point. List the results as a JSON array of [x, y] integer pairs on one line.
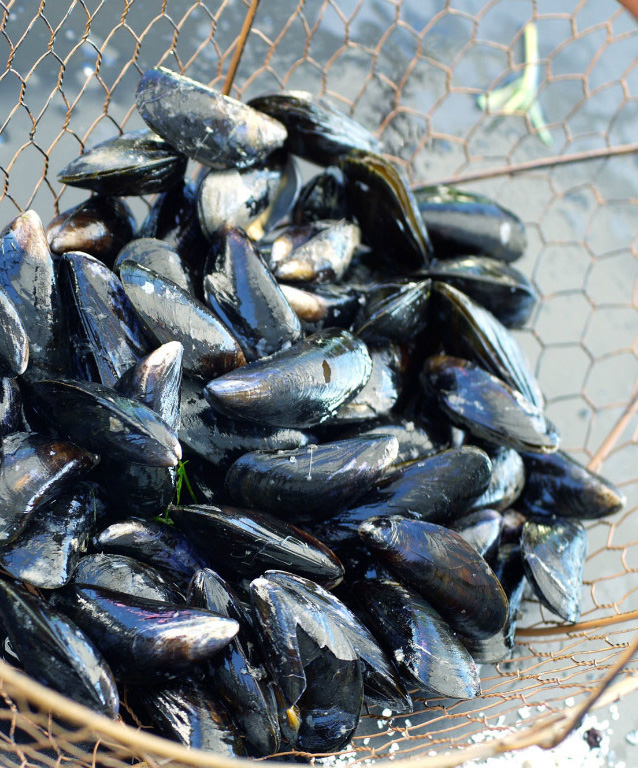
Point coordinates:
[[554, 559], [323, 257], [298, 387], [319, 306], [213, 129], [442, 566], [558, 485], [138, 635], [243, 543], [155, 543], [415, 441], [254, 198], [508, 567], [394, 312], [172, 314], [100, 419], [28, 277], [220, 439], [55, 652], [386, 210], [314, 481], [238, 680], [120, 573], [486, 406], [47, 551], [495, 285], [507, 481], [381, 683], [136, 163], [317, 131], [106, 332], [242, 291], [186, 711], [34, 469], [14, 344], [100, 226], [437, 487], [313, 662], [468, 330], [482, 530], [158, 256], [381, 391], [323, 197], [426, 651], [465, 223]]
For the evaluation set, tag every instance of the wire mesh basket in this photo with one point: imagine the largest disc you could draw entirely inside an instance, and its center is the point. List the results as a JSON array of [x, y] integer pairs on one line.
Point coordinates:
[[412, 71]]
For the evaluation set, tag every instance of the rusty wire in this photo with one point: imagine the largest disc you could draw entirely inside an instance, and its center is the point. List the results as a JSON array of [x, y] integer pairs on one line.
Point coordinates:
[[411, 71]]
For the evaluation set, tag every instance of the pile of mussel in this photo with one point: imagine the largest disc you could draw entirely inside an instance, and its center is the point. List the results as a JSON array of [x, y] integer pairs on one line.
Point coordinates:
[[275, 452]]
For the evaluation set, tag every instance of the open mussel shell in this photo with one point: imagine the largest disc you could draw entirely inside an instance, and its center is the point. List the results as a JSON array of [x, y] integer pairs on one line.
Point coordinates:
[[135, 163], [437, 487], [106, 332], [468, 330], [508, 567], [186, 711], [171, 314], [158, 256], [14, 344], [554, 560], [495, 285], [558, 485], [314, 665], [242, 291], [425, 649], [241, 685], [298, 387], [481, 529], [252, 199], [314, 481], [27, 275], [386, 210], [507, 481], [138, 635], [55, 652], [155, 543], [394, 312], [100, 226], [317, 131], [47, 551], [381, 683], [220, 439], [465, 223], [486, 406], [212, 129], [322, 258], [243, 543], [33, 470], [442, 567], [100, 419], [120, 573]]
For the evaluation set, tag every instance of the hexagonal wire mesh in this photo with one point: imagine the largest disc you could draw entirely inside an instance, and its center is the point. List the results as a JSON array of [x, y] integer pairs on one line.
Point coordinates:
[[412, 72]]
